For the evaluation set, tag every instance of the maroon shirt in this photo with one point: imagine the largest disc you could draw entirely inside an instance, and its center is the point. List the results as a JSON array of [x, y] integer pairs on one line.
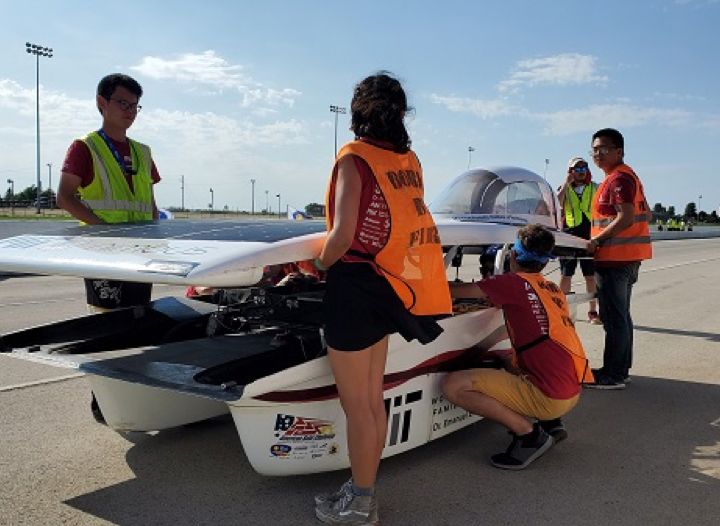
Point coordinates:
[[78, 161], [620, 190], [547, 365], [373, 224]]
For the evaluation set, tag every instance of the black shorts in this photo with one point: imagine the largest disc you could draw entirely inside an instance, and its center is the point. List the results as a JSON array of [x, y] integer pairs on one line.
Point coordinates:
[[568, 266], [110, 294], [361, 308]]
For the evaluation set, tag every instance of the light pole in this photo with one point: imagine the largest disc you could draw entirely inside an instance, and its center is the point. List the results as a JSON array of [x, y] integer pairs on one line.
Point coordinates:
[[50, 192], [336, 110], [470, 151], [547, 161], [12, 196], [182, 193], [279, 212], [698, 210], [212, 199], [38, 51], [267, 202], [252, 206]]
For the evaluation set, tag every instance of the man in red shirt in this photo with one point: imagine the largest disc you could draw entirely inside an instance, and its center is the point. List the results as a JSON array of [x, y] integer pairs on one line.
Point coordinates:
[[551, 363], [109, 178], [620, 240], [118, 96]]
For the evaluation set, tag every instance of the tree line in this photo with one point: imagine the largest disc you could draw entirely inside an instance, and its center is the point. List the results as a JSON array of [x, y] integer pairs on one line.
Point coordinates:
[[28, 197], [664, 214]]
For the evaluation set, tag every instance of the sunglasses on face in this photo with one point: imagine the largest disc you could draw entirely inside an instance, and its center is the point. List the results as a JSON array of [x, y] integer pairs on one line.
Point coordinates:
[[581, 169]]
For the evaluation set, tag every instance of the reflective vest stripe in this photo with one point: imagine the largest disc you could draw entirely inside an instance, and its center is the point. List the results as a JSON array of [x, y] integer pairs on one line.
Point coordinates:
[[625, 241], [102, 172], [639, 218], [110, 204]]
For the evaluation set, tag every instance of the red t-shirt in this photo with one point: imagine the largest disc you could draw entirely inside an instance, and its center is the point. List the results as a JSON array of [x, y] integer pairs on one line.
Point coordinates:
[[620, 190], [373, 224], [547, 365], [78, 161]]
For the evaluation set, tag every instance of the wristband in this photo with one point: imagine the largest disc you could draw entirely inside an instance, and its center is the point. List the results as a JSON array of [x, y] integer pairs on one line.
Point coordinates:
[[318, 265]]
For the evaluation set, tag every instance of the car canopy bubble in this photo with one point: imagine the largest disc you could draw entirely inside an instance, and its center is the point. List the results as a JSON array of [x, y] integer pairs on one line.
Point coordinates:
[[499, 195]]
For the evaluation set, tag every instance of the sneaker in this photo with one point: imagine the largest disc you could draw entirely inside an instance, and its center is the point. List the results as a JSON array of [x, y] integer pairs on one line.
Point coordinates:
[[594, 318], [348, 508], [603, 381], [523, 450], [555, 428], [332, 497]]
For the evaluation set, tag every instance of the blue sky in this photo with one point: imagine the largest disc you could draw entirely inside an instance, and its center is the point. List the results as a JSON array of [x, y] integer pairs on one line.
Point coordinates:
[[236, 91]]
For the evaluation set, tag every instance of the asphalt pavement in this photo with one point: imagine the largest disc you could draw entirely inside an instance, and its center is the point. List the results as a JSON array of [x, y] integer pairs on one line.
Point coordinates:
[[647, 455]]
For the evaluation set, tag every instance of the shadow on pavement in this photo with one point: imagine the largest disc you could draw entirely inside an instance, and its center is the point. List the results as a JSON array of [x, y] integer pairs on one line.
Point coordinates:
[[649, 454]]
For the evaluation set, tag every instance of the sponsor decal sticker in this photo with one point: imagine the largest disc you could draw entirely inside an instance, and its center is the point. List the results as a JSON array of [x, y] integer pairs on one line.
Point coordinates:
[[290, 428], [280, 450]]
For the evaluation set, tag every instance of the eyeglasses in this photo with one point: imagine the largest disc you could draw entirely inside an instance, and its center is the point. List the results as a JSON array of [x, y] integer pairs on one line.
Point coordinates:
[[125, 105], [580, 169], [602, 150]]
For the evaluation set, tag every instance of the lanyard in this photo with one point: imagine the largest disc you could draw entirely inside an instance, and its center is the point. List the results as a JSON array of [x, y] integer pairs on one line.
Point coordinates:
[[127, 170]]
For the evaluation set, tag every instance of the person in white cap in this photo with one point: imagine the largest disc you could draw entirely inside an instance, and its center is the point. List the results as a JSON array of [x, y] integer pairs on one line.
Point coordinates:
[[576, 197]]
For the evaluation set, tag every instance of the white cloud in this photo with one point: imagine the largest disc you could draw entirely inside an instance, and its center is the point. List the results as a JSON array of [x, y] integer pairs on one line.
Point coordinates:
[[208, 69], [563, 70], [597, 116], [485, 109]]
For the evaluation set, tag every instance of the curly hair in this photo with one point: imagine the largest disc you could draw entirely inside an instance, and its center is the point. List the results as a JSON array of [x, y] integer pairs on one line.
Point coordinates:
[[536, 238], [378, 110]]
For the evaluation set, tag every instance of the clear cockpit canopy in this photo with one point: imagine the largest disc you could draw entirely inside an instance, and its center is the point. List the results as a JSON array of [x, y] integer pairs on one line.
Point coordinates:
[[499, 195]]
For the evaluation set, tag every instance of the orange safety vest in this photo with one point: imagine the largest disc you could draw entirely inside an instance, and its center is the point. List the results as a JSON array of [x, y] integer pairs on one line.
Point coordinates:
[[633, 243], [561, 326], [412, 259]]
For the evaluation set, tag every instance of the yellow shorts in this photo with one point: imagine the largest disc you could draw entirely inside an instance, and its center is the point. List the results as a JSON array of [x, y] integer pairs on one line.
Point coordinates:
[[519, 394]]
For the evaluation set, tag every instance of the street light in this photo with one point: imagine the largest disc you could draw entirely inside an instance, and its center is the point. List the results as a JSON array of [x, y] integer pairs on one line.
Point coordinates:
[[547, 161], [279, 212], [698, 210], [12, 195], [182, 193], [252, 208], [470, 151], [267, 202], [38, 51], [212, 199], [50, 193], [336, 110]]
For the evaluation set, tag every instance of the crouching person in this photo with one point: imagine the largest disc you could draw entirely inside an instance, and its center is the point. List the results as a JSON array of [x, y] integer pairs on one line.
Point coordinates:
[[531, 398]]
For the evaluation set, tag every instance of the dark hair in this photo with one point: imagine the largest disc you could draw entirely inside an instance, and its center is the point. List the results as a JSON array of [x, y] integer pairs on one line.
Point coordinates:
[[536, 238], [109, 83], [610, 133], [378, 108]]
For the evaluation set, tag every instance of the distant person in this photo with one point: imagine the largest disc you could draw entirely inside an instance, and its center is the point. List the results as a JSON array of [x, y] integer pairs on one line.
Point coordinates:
[[576, 197], [620, 240], [108, 178], [383, 252], [550, 360]]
